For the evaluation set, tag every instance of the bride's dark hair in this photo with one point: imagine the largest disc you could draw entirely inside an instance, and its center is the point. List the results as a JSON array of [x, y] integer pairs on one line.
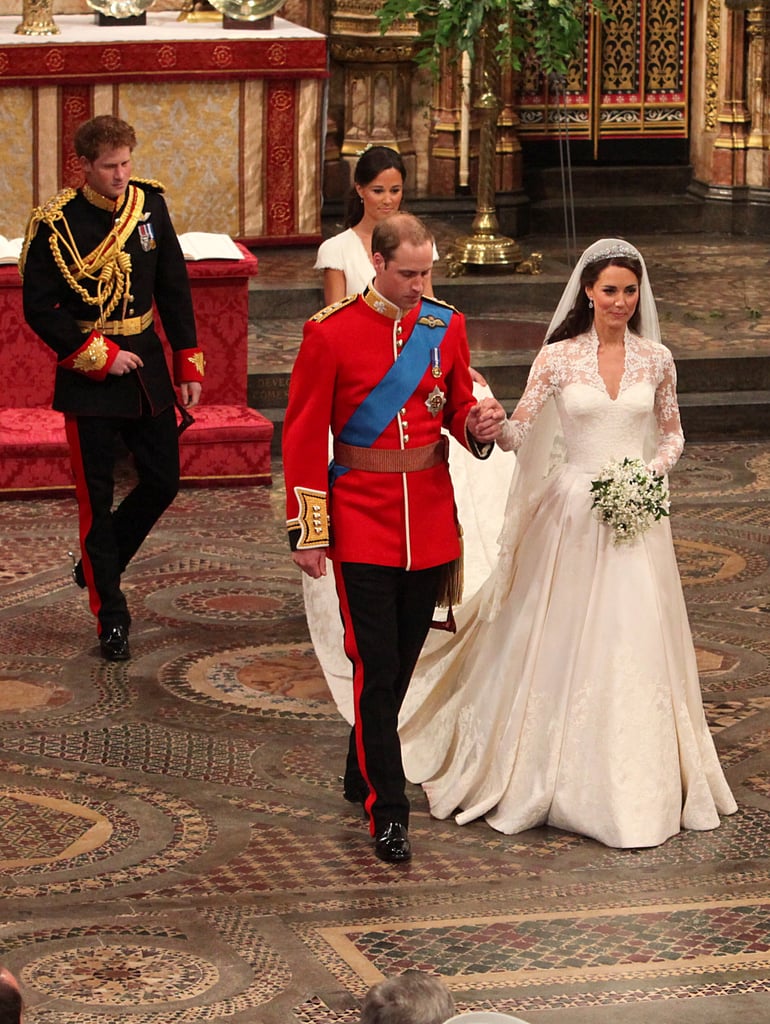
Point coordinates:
[[580, 317]]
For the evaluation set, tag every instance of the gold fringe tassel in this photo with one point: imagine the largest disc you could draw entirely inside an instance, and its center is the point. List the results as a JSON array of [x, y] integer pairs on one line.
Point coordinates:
[[450, 591]]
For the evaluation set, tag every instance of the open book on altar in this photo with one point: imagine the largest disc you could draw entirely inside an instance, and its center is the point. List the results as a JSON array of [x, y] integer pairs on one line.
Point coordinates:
[[205, 245], [10, 249]]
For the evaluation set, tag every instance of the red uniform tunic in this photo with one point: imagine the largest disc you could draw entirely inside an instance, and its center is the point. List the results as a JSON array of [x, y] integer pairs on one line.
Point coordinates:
[[395, 519]]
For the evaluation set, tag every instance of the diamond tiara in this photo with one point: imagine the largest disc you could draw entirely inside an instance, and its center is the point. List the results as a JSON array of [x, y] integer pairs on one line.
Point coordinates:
[[611, 251]]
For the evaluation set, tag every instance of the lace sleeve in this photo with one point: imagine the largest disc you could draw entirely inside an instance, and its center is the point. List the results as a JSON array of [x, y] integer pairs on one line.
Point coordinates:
[[541, 384], [671, 438]]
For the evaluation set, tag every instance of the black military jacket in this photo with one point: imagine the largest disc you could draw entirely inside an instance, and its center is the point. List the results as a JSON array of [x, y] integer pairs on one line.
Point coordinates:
[[53, 308]]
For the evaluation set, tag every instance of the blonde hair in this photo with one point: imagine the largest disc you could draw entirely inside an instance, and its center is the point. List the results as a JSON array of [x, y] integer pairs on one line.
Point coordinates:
[[408, 998]]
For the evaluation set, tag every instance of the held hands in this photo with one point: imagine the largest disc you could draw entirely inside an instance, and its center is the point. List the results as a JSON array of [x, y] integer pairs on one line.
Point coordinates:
[[312, 561], [485, 420]]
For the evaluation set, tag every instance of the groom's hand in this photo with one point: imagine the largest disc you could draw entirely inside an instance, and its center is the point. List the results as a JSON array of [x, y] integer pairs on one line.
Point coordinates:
[[485, 420]]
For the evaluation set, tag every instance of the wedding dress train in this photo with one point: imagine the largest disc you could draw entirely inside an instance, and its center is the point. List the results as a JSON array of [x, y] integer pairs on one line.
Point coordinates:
[[570, 694]]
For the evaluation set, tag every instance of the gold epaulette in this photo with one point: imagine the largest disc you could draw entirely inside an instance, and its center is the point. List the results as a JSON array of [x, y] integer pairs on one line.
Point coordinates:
[[48, 213], [440, 302], [335, 307], [153, 183]]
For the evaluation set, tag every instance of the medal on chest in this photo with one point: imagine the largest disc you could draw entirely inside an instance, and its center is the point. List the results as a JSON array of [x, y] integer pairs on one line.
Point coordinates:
[[435, 401], [146, 236], [435, 362]]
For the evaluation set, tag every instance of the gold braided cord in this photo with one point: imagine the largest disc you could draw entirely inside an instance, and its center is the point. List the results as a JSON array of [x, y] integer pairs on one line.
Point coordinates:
[[46, 214], [108, 266], [153, 182]]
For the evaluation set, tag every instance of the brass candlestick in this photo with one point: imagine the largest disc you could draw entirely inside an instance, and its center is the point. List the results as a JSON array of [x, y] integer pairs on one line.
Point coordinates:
[[485, 246], [37, 19]]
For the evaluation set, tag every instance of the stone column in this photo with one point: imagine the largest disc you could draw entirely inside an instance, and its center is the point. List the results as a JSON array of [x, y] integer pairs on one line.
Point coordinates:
[[728, 160], [758, 97]]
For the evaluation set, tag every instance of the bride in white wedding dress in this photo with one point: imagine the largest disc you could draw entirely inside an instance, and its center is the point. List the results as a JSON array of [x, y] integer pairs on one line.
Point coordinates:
[[570, 694]]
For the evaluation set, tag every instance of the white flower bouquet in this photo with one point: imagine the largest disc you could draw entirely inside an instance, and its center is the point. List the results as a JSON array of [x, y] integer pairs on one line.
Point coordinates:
[[629, 499]]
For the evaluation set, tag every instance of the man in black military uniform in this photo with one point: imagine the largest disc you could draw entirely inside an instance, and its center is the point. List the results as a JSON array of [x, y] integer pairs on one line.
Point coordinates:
[[93, 261]]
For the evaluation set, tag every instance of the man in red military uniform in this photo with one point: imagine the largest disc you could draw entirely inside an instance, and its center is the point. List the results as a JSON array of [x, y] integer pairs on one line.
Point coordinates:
[[93, 261], [385, 371]]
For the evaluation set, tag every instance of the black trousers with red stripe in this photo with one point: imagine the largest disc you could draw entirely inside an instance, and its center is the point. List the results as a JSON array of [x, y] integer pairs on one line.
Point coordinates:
[[110, 538], [386, 612]]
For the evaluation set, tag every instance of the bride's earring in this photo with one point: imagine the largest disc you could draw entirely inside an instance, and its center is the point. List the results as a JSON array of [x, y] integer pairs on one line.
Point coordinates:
[[590, 303]]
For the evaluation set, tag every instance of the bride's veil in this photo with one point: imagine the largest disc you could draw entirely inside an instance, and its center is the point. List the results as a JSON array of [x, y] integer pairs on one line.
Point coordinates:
[[543, 448]]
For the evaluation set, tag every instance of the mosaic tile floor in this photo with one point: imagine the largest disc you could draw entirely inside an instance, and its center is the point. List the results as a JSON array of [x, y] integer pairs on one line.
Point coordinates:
[[175, 847]]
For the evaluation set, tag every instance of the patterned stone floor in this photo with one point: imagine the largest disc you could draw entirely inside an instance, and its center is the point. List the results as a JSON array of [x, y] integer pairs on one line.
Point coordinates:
[[175, 847]]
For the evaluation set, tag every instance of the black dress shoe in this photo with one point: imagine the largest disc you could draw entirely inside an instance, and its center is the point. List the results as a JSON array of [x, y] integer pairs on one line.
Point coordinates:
[[114, 644], [77, 570], [392, 843]]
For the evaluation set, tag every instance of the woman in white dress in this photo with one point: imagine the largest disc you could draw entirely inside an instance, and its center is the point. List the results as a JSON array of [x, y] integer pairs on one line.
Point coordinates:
[[480, 487], [378, 189], [570, 693]]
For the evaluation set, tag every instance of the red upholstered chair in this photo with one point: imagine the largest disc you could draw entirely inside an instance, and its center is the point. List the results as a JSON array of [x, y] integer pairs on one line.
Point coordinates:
[[228, 444], [34, 458]]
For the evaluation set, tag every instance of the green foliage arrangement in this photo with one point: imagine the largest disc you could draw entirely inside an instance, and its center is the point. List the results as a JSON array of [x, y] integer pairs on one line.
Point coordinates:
[[545, 34]]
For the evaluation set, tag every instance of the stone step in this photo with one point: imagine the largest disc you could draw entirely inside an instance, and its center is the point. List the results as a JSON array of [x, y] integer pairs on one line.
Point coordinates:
[[628, 217], [590, 182], [720, 396], [476, 293]]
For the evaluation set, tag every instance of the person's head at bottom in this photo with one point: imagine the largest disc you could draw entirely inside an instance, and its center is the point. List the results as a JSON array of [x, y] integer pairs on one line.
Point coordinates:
[[409, 998], [10, 998]]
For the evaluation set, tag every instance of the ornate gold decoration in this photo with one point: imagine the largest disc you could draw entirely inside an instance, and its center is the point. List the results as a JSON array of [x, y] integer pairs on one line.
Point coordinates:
[[198, 362], [37, 19], [620, 44], [322, 314], [312, 520], [92, 358], [663, 46], [531, 265], [198, 10], [711, 99], [108, 265], [630, 78]]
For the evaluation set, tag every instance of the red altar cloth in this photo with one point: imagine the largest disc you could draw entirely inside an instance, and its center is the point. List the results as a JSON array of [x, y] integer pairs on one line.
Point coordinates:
[[228, 444], [231, 121]]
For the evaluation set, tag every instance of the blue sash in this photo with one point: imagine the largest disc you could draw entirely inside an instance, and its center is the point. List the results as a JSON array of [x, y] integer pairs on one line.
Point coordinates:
[[399, 384]]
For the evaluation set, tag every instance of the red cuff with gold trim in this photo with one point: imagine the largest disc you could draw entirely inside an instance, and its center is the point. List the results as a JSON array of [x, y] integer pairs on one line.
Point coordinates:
[[94, 357], [189, 365]]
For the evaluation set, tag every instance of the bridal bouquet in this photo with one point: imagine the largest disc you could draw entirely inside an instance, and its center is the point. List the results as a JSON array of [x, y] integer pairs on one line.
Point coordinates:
[[629, 499]]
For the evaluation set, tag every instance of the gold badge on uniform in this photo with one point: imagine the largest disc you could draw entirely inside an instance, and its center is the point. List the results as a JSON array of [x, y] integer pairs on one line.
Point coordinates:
[[435, 401]]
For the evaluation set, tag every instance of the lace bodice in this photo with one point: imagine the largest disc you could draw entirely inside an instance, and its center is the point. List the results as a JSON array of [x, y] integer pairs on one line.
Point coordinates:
[[596, 427]]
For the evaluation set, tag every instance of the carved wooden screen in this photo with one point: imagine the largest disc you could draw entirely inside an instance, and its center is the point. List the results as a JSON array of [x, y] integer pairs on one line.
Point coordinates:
[[629, 81]]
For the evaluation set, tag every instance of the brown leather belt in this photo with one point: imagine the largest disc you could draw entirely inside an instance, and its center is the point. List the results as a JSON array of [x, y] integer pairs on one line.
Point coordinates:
[[134, 325], [391, 460]]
